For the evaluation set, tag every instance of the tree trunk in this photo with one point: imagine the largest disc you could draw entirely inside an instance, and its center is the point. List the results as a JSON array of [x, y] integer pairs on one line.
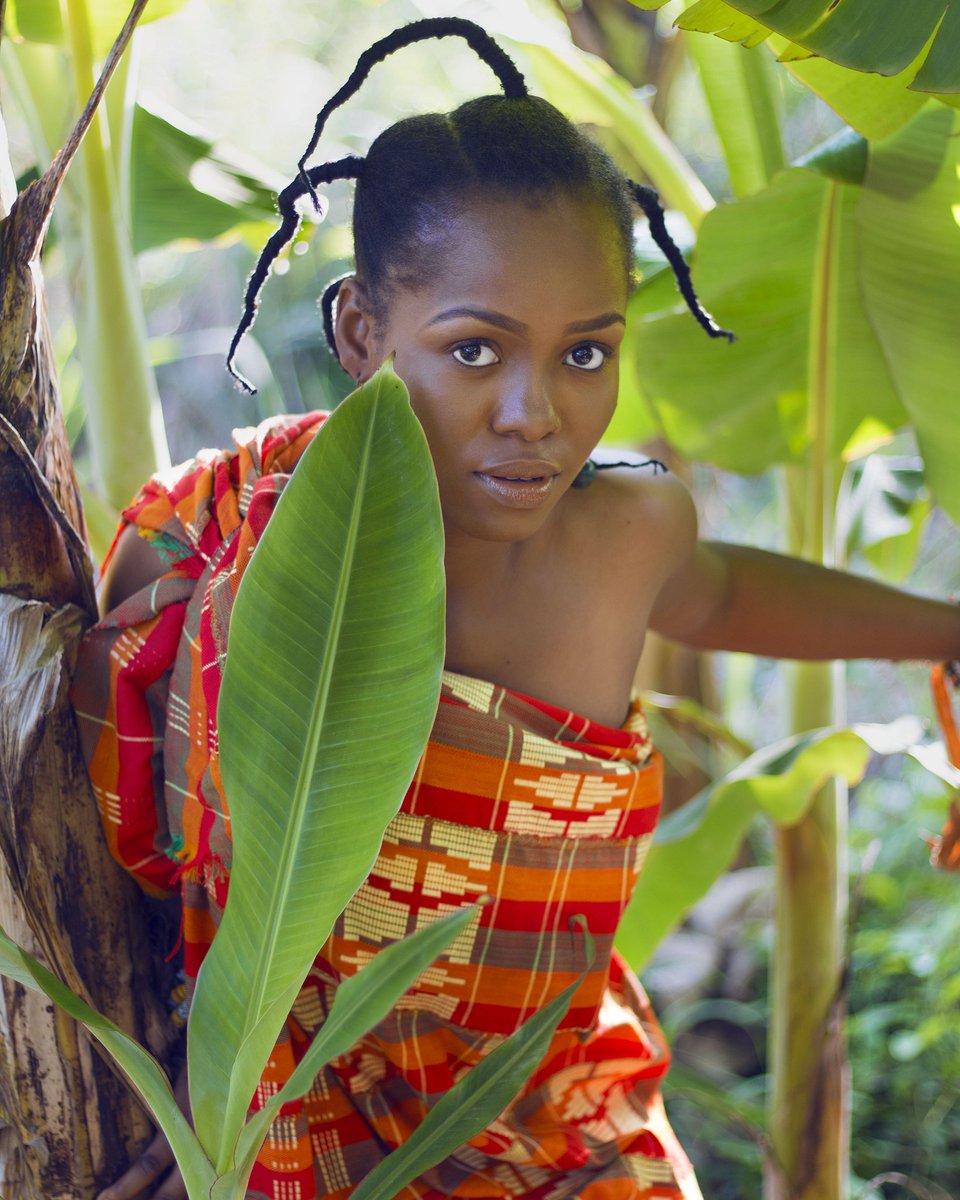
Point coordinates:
[[68, 1124]]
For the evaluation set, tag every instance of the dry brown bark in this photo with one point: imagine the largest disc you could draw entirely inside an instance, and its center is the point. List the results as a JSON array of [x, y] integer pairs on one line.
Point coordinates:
[[68, 1123]]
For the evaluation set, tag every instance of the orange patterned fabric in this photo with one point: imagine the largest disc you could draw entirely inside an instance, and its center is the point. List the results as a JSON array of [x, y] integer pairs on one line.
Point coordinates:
[[546, 812], [945, 847]]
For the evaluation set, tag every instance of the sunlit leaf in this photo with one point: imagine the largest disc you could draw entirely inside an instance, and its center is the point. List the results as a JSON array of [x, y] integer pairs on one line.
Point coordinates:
[[909, 221], [182, 187], [874, 105], [41, 20], [884, 36], [916, 41], [695, 844], [853, 289], [739, 88], [339, 622], [882, 510], [715, 16], [758, 268]]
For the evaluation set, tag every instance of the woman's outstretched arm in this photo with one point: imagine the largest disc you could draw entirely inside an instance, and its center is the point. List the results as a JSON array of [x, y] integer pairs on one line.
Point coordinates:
[[726, 597]]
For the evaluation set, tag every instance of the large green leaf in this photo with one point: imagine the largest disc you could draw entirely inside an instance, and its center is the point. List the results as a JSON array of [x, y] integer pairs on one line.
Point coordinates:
[[696, 844], [720, 18], [881, 36], [884, 36], [740, 92], [909, 262], [836, 290], [780, 269], [41, 20], [140, 1067], [874, 105], [338, 625], [477, 1098], [182, 187]]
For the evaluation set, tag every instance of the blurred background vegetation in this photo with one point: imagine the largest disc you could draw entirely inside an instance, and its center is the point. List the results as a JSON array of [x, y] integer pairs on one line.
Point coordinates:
[[225, 98]]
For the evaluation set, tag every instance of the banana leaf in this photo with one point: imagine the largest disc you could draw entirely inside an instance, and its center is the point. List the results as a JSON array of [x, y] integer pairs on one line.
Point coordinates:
[[910, 278], [42, 20], [182, 187], [882, 36], [758, 263], [825, 280], [875, 105], [338, 627], [741, 93], [696, 844], [361, 1001]]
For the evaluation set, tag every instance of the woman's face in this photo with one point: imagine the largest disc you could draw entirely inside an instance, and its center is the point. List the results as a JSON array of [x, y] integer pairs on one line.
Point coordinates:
[[509, 350]]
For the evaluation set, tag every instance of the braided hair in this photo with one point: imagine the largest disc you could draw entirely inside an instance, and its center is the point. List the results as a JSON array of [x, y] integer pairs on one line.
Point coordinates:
[[424, 167]]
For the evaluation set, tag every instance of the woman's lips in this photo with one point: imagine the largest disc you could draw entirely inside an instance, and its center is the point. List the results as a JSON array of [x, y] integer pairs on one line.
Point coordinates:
[[519, 485]]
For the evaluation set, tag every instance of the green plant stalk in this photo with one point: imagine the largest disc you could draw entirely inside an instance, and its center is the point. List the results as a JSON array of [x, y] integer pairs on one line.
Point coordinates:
[[808, 1108], [669, 171], [120, 394], [739, 89]]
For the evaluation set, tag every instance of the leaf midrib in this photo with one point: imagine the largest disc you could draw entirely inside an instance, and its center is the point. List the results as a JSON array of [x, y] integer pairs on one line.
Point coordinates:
[[277, 908]]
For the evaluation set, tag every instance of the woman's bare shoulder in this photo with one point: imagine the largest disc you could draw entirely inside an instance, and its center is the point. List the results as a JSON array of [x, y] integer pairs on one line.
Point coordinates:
[[651, 506]]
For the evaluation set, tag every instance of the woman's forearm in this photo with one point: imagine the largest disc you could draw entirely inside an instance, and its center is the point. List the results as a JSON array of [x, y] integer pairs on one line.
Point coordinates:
[[782, 607]]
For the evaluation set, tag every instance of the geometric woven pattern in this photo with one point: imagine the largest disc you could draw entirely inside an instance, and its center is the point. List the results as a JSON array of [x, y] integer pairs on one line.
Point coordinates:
[[545, 812]]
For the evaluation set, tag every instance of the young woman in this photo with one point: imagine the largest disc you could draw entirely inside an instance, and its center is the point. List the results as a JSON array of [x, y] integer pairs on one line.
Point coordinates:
[[494, 249]]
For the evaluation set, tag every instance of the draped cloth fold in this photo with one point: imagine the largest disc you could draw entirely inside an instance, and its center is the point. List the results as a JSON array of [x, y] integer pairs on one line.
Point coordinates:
[[546, 812]]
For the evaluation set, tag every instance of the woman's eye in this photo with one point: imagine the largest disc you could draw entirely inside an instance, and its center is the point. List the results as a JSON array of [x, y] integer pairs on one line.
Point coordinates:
[[587, 358], [475, 354]]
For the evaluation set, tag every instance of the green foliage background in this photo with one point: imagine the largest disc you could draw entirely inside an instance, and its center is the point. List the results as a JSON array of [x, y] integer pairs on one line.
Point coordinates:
[[225, 108]]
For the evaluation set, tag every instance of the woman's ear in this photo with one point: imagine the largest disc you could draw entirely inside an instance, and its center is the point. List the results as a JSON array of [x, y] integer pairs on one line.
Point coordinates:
[[353, 330]]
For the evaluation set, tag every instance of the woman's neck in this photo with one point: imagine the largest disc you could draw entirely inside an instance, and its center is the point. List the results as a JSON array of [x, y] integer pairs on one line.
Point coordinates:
[[478, 569]]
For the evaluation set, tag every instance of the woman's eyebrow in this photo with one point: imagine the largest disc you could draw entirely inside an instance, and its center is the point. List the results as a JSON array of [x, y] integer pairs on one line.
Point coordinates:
[[592, 323], [492, 317], [489, 315]]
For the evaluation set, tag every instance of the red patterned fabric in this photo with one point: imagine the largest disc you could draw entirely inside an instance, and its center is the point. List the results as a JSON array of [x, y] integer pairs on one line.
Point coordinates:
[[542, 810]]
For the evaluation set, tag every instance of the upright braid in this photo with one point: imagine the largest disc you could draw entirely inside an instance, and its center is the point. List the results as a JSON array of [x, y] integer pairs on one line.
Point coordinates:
[[506, 145], [480, 42], [344, 168], [649, 201], [514, 87]]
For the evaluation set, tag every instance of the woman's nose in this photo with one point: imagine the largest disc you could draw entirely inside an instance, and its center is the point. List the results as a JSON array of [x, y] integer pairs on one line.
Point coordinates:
[[527, 409]]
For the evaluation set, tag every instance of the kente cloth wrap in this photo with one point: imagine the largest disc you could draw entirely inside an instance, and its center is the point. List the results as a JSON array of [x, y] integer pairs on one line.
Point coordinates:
[[544, 811]]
